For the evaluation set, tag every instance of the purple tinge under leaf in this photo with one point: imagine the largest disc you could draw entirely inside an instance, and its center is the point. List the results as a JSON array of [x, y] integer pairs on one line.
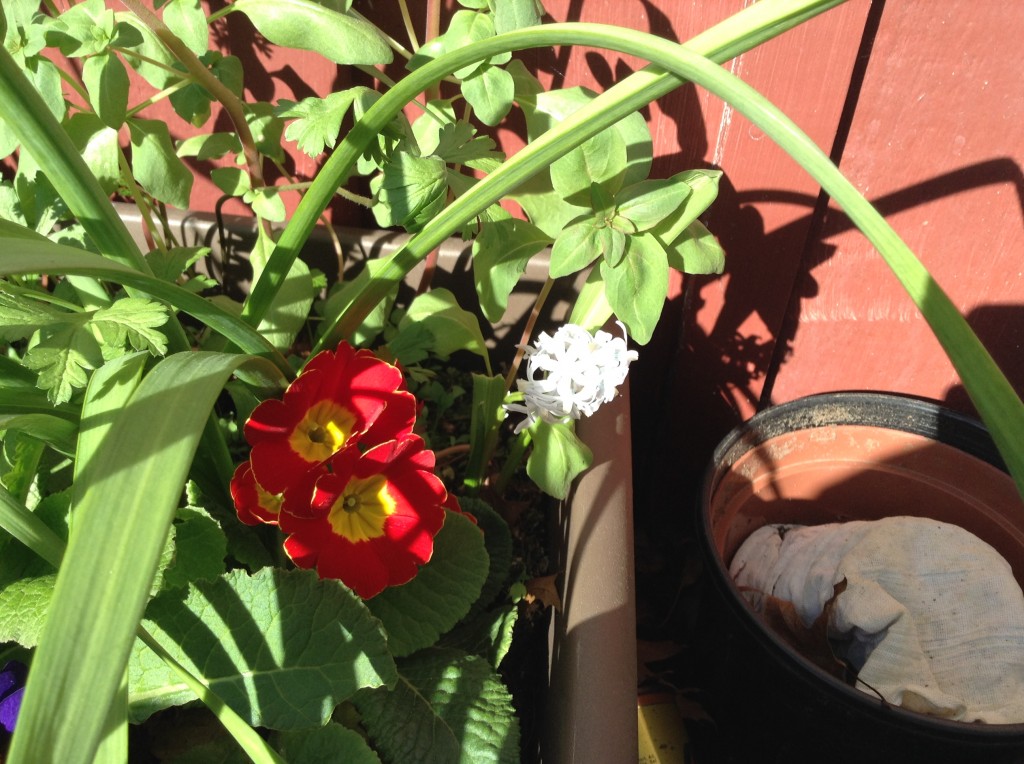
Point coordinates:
[[12, 688]]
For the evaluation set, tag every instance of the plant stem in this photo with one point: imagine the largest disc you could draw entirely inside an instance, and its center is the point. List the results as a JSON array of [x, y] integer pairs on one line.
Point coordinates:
[[531, 322], [233, 106]]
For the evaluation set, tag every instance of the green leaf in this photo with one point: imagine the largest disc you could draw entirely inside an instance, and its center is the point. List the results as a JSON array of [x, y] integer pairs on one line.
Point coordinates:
[[98, 146], [37, 539], [649, 202], [697, 251], [415, 614], [516, 14], [282, 648], [233, 181], [23, 607], [157, 168], [498, 542], [485, 424], [450, 327], [490, 90], [636, 288], [127, 500], [135, 320], [155, 64], [199, 549], [602, 159], [317, 121], [332, 742], [55, 431], [291, 306], [341, 297], [703, 185], [21, 317], [577, 247], [448, 708], [82, 30], [410, 191], [267, 203], [487, 634], [558, 456], [186, 19], [501, 253], [107, 83], [210, 146], [306, 25], [63, 358]]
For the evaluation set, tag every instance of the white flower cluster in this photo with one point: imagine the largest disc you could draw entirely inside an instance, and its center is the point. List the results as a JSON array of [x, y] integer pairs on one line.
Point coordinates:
[[570, 374]]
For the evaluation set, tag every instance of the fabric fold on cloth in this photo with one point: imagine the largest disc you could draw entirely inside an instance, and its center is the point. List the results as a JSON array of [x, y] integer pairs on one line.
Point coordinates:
[[929, 615]]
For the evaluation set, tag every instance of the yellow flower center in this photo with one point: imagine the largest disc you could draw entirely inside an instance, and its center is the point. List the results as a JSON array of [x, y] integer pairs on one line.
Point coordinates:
[[322, 432], [360, 512], [271, 502]]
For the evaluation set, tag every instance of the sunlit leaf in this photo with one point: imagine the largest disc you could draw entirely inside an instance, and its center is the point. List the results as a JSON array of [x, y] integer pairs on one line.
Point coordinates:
[[309, 26]]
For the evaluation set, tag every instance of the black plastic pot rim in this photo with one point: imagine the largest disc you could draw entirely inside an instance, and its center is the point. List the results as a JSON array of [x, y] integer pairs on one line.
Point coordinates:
[[884, 410]]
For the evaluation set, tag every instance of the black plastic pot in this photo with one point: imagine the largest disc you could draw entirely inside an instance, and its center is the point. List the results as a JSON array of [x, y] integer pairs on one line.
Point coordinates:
[[828, 458]]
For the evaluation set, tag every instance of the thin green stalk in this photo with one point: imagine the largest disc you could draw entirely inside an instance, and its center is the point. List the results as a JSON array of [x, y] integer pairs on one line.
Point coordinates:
[[250, 741], [233, 105]]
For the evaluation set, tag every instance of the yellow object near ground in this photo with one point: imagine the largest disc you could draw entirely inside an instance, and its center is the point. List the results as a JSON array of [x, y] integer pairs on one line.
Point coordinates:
[[662, 736]]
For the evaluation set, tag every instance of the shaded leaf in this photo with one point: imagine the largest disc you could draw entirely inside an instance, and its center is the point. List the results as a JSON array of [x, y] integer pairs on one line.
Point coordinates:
[[331, 742], [558, 456], [447, 707], [543, 589], [501, 253], [106, 81], [415, 614], [283, 648], [63, 359], [157, 168], [450, 327]]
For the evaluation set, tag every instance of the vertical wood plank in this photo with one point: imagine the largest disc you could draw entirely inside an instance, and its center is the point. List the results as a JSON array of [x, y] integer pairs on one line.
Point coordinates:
[[937, 142]]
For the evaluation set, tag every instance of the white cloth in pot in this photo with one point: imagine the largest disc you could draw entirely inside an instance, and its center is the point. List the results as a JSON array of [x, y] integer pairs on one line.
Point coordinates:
[[930, 613]]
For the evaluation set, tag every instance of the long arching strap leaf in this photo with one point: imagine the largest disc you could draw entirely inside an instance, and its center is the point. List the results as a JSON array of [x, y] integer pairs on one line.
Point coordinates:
[[123, 509], [23, 256]]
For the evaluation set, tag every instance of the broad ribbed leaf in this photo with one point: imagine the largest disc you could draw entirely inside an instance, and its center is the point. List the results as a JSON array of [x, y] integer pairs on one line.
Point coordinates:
[[282, 648], [417, 613], [331, 742], [23, 605], [447, 708], [306, 25], [199, 549]]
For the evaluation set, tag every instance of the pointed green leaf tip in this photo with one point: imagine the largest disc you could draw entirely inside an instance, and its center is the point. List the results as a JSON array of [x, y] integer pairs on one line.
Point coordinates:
[[306, 25], [282, 648]]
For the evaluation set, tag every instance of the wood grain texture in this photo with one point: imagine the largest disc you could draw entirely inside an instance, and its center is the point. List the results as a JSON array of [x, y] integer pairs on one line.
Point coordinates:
[[937, 141]]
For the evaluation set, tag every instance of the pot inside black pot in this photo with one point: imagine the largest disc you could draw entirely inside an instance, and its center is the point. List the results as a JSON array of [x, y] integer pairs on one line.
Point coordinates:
[[833, 458]]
